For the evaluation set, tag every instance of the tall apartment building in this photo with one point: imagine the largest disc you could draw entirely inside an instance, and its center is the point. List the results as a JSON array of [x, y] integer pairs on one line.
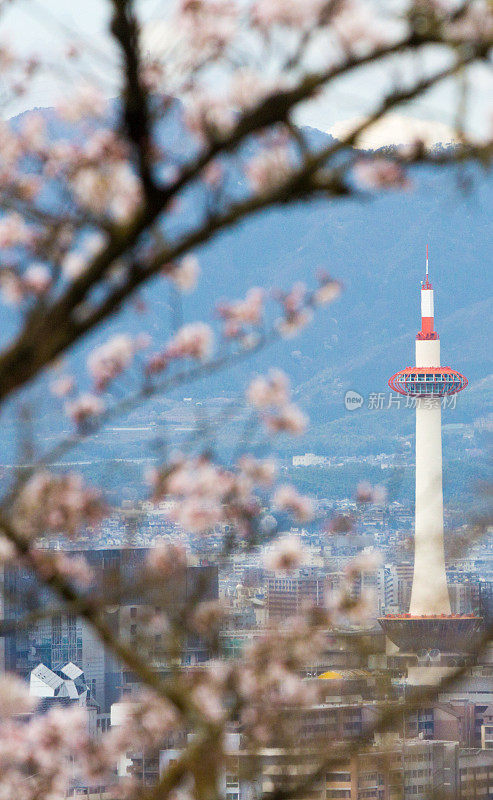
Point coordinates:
[[394, 587], [288, 594], [487, 735], [475, 775], [486, 599], [464, 592]]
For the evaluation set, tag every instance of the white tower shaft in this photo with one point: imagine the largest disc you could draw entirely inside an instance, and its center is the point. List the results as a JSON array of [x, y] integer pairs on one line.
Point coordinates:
[[429, 592]]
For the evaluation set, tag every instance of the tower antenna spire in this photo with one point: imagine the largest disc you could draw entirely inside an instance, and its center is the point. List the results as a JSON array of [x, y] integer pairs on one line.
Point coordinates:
[[426, 260]]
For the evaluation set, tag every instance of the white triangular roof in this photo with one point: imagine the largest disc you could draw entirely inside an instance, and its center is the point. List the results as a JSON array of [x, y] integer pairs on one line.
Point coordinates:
[[44, 682], [72, 671]]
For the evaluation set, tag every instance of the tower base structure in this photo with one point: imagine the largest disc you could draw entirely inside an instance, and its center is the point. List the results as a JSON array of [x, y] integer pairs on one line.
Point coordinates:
[[447, 633]]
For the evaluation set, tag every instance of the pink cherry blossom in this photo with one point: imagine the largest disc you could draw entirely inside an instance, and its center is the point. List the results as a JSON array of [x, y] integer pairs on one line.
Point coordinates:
[[232, 330], [84, 408], [185, 274], [51, 502], [110, 359], [197, 514], [368, 560], [14, 696], [86, 101], [341, 523], [33, 131], [156, 363], [204, 495], [207, 115], [152, 75], [12, 287], [7, 550], [286, 498], [14, 231], [146, 718], [74, 264], [37, 279], [366, 493], [296, 312], [269, 168], [208, 701], [208, 25], [76, 261], [248, 311], [63, 386], [294, 322], [294, 300], [288, 13], [359, 28], [72, 568], [113, 189], [165, 559], [328, 290], [381, 173], [75, 568], [207, 617], [261, 472], [270, 390], [286, 554], [213, 173], [475, 23], [289, 419], [248, 87], [194, 340]]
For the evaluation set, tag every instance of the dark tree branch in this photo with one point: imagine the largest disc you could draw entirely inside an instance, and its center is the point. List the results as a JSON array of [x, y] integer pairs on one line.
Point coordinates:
[[298, 184], [135, 99]]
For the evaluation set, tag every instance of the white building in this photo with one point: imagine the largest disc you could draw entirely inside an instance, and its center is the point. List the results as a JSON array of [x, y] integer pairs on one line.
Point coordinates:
[[310, 460]]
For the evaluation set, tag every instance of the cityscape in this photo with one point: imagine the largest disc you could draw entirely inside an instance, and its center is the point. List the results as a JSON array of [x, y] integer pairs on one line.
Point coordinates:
[[246, 544], [412, 634]]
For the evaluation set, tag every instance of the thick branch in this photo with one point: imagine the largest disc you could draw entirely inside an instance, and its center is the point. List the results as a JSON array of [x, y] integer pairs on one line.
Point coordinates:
[[298, 184], [134, 96]]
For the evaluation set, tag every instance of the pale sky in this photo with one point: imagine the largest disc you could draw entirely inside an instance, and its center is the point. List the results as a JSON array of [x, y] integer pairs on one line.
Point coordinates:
[[47, 26]]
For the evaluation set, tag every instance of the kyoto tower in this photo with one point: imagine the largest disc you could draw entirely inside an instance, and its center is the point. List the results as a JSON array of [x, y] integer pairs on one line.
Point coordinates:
[[429, 623]]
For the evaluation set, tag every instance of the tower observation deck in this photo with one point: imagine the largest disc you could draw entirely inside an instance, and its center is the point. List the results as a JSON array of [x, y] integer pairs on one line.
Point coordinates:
[[429, 623]]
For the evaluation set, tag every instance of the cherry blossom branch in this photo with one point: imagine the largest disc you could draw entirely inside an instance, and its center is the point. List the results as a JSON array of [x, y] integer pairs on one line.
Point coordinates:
[[329, 181], [298, 184], [55, 328]]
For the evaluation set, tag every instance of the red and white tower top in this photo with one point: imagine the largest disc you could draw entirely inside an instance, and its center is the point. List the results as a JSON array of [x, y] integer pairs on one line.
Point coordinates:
[[427, 310], [427, 378]]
